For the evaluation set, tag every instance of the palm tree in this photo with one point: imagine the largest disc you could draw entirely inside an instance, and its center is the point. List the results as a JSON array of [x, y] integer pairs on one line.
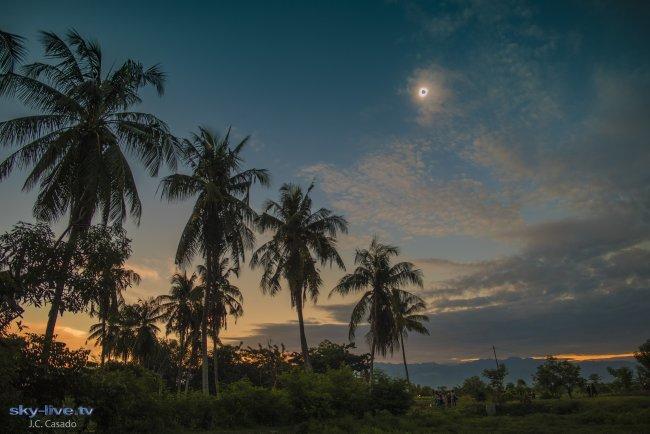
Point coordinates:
[[226, 299], [406, 311], [381, 280], [106, 301], [146, 314], [124, 336], [178, 308], [107, 334], [220, 223], [301, 239], [77, 144]]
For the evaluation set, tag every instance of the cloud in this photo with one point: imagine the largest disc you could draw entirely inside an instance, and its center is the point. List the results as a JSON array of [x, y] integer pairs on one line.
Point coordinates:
[[399, 188], [144, 271], [595, 324]]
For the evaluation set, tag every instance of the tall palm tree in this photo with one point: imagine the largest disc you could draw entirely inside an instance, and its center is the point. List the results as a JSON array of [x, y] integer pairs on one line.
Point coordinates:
[[407, 310], [178, 308], [146, 314], [77, 143], [380, 279], [301, 240], [107, 298], [220, 222]]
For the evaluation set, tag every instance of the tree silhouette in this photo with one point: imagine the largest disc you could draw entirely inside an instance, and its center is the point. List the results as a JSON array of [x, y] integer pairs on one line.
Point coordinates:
[[382, 282], [220, 222], [406, 310], [179, 309], [77, 144], [301, 240]]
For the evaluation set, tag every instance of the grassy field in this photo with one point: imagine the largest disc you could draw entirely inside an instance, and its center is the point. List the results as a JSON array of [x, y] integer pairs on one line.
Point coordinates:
[[607, 414]]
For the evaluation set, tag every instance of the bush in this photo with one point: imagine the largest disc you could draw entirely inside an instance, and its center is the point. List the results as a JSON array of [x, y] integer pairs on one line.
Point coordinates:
[[389, 394], [242, 403], [310, 394], [126, 398]]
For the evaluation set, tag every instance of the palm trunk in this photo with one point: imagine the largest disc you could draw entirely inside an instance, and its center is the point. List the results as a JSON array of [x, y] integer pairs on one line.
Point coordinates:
[[204, 342], [303, 337], [374, 336], [103, 358], [205, 373], [406, 368], [215, 361], [181, 357]]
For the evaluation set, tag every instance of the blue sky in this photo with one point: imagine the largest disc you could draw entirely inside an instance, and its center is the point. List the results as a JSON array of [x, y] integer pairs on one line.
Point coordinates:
[[519, 183]]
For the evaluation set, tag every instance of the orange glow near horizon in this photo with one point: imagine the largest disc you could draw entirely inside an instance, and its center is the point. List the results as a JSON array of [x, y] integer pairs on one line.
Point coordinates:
[[586, 357]]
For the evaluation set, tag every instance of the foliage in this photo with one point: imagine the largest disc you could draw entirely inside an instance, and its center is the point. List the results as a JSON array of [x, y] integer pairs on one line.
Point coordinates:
[[220, 224], [555, 376], [496, 378], [382, 282], [392, 395], [125, 398], [329, 355], [35, 381], [474, 387], [643, 370], [301, 240], [623, 378]]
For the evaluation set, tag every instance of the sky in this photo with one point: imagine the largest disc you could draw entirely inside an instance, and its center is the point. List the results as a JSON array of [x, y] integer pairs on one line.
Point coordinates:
[[518, 183]]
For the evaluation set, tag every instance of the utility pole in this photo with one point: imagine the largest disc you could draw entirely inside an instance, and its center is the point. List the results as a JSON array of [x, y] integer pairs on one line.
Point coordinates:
[[495, 356]]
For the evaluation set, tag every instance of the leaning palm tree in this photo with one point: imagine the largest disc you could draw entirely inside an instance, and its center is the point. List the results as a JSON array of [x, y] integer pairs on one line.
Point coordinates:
[[146, 314], [178, 308], [301, 240], [77, 143], [226, 299], [407, 310], [221, 220], [380, 279]]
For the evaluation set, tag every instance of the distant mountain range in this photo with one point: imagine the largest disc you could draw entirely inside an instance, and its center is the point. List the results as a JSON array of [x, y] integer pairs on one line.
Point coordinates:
[[435, 374]]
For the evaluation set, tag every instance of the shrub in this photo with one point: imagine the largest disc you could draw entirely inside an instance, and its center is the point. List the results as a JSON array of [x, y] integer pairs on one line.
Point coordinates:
[[389, 394], [126, 398], [350, 394], [242, 403], [309, 393]]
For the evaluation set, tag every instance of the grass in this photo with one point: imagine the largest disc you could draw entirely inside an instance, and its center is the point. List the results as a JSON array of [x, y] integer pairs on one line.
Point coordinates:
[[605, 414]]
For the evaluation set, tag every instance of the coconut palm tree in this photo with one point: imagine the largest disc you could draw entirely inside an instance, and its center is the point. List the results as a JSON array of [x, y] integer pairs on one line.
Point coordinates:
[[146, 314], [107, 334], [380, 279], [225, 300], [124, 325], [178, 308], [221, 220], [78, 141], [301, 240], [407, 310], [106, 301]]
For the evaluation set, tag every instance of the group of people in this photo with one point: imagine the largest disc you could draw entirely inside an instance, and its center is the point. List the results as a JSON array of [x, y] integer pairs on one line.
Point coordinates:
[[445, 398], [591, 390]]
